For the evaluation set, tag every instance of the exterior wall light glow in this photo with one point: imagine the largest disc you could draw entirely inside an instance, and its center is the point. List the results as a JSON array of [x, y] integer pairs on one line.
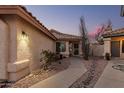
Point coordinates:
[[24, 36], [23, 46]]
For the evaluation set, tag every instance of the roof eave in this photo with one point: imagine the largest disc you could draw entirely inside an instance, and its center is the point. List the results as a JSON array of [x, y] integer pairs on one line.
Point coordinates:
[[112, 36], [16, 9]]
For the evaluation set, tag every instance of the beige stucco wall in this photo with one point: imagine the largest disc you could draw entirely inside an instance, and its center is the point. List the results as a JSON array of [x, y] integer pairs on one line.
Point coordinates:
[[80, 48], [12, 35], [3, 49], [23, 54], [107, 46], [12, 44], [97, 50], [35, 42]]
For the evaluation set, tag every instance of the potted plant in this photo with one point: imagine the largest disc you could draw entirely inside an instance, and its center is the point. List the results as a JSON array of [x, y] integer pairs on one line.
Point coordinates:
[[107, 56]]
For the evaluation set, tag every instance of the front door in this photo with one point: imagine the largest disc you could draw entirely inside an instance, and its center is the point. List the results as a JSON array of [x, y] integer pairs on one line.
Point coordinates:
[[115, 48], [76, 49]]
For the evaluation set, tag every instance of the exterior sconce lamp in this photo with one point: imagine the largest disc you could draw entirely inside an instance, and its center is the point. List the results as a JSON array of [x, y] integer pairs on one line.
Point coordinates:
[[24, 35]]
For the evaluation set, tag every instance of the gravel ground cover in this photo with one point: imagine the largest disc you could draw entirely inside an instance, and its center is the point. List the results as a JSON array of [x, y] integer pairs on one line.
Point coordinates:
[[41, 74], [95, 67]]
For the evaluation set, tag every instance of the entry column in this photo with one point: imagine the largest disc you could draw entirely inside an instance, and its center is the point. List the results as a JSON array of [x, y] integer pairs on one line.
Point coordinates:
[[107, 46], [3, 49], [80, 48], [67, 48]]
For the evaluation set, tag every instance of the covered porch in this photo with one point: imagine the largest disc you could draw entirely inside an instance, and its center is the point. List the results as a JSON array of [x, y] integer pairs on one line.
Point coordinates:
[[69, 48], [114, 43], [68, 45]]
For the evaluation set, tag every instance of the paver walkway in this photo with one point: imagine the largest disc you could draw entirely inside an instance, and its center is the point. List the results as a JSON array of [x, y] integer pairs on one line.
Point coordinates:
[[111, 78], [65, 78]]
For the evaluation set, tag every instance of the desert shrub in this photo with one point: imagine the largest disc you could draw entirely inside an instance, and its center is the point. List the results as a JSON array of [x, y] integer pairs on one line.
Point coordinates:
[[47, 57]]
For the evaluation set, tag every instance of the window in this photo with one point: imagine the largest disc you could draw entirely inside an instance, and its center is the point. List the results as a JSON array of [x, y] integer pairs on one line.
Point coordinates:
[[122, 46], [75, 45], [57, 46], [60, 47]]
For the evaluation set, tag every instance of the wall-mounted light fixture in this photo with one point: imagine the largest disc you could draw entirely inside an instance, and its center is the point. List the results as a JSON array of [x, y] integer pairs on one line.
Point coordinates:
[[24, 35]]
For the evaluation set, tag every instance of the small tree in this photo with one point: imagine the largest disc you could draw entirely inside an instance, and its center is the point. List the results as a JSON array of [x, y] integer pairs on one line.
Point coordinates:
[[85, 40], [99, 33], [103, 30]]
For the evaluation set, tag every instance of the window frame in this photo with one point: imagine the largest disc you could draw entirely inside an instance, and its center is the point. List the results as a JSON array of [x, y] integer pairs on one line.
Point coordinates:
[[122, 46], [61, 49]]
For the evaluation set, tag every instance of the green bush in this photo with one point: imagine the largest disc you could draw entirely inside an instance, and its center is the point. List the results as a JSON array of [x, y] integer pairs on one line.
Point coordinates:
[[47, 57]]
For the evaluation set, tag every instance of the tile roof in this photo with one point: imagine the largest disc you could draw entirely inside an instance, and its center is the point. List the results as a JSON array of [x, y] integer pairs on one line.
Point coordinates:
[[62, 36], [24, 8], [118, 32], [24, 13]]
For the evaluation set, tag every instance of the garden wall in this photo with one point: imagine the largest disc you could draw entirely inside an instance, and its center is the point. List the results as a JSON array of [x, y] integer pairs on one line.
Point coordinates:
[[97, 50]]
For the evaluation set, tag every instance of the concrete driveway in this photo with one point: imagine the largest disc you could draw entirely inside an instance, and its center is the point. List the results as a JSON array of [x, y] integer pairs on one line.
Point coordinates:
[[65, 78], [111, 78]]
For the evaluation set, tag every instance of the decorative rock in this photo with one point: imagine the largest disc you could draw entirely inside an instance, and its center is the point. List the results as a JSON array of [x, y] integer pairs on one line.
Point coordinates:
[[87, 80], [41, 74]]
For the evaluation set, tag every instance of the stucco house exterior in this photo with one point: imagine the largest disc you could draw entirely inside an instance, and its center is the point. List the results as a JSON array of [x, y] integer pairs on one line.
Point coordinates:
[[22, 39], [68, 45], [114, 42]]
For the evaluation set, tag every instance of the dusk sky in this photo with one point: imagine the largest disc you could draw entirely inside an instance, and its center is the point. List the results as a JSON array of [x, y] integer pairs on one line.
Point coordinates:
[[66, 19]]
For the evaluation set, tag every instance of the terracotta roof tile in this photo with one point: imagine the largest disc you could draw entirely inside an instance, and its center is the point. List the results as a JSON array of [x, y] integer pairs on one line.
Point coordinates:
[[117, 32], [61, 36], [24, 8]]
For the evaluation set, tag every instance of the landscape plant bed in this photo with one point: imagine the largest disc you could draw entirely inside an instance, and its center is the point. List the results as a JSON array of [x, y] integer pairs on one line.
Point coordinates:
[[95, 68], [41, 74], [118, 67]]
